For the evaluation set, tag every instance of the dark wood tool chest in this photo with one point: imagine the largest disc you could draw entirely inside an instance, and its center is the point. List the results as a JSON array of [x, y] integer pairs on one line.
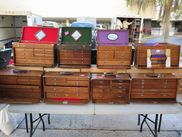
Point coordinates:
[[114, 56], [75, 58], [141, 55], [110, 88], [154, 88], [31, 54], [66, 87], [20, 86]]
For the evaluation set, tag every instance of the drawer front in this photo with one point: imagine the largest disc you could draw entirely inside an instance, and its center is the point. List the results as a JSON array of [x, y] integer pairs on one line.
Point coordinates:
[[67, 92], [121, 83], [72, 54], [83, 61], [29, 80], [154, 84], [104, 55], [18, 91], [23, 80], [43, 53], [116, 63], [20, 52], [65, 82], [109, 93], [105, 83], [8, 80], [153, 95], [34, 61]]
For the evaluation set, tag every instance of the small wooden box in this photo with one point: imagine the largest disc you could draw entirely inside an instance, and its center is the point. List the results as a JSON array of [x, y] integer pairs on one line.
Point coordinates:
[[110, 89], [20, 86], [172, 53], [153, 88], [66, 87]]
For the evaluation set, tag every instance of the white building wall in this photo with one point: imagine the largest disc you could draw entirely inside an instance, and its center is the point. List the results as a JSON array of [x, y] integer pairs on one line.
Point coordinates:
[[70, 8], [7, 31]]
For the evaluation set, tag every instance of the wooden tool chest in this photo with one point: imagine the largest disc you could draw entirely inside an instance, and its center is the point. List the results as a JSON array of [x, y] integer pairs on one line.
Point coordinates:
[[37, 47], [112, 49], [66, 87], [110, 88], [114, 56], [169, 58], [31, 54], [20, 86], [75, 50], [154, 88]]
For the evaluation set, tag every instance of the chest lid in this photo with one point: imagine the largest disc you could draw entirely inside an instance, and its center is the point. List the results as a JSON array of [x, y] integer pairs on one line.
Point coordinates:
[[153, 76], [14, 72], [76, 35], [121, 76], [40, 35], [112, 37], [70, 75]]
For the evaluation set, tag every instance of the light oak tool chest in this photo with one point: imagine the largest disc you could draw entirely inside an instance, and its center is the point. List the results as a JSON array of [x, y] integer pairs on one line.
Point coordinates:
[[110, 88], [37, 47], [20, 86], [113, 50], [154, 88], [66, 87]]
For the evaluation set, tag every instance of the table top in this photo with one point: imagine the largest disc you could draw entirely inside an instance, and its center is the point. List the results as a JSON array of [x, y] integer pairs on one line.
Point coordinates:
[[97, 109]]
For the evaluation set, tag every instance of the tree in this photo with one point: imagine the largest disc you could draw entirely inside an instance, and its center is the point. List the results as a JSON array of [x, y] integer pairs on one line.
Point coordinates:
[[166, 9]]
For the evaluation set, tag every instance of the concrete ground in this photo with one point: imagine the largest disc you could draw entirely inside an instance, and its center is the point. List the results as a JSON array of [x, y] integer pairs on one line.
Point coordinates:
[[99, 126]]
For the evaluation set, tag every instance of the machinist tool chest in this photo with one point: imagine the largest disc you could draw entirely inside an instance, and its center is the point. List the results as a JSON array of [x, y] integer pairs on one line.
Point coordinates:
[[20, 86], [66, 87], [110, 88], [153, 88], [113, 50], [37, 47], [75, 50], [159, 55]]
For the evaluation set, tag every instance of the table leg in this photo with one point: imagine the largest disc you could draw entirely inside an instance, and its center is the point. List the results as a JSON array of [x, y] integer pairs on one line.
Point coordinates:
[[49, 121], [141, 126], [160, 122], [155, 123], [32, 122], [26, 122], [31, 125], [43, 124], [138, 119]]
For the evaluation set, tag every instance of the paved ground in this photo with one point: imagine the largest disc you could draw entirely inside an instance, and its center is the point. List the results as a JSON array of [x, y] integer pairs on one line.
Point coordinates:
[[99, 126]]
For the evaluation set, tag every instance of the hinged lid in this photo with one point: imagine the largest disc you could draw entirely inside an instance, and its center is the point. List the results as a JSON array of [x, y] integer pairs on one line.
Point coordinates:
[[116, 37], [40, 35], [76, 35], [153, 76]]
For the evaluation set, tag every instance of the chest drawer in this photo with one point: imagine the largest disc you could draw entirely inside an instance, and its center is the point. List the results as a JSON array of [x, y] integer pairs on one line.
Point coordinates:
[[67, 92]]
